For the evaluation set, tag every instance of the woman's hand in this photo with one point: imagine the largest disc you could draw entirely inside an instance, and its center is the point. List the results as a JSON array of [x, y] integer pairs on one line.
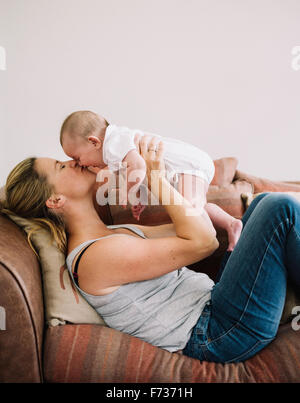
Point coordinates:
[[151, 148]]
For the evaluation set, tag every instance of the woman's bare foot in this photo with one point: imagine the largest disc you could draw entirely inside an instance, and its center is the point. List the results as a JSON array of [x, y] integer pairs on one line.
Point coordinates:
[[234, 232]]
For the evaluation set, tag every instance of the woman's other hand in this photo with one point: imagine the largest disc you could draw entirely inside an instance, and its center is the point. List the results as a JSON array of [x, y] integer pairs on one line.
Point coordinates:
[[146, 142], [151, 148]]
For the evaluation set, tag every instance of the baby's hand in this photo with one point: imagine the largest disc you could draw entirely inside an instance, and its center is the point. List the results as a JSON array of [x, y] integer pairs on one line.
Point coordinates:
[[137, 211]]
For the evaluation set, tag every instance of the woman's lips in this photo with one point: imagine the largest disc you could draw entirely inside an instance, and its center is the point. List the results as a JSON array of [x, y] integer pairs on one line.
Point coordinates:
[[81, 167]]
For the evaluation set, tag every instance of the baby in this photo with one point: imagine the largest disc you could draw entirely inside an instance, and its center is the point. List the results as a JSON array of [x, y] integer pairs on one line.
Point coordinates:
[[90, 140]]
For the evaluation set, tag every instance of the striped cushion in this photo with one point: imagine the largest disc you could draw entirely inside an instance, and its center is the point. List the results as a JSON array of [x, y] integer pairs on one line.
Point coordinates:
[[92, 353], [266, 185]]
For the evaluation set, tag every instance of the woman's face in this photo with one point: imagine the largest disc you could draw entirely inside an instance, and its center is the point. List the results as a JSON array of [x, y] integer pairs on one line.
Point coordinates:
[[67, 178]]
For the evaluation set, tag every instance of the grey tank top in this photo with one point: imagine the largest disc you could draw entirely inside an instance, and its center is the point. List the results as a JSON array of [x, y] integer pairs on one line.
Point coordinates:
[[161, 311]]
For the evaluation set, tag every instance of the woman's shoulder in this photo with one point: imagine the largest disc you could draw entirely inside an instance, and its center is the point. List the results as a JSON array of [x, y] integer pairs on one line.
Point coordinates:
[[76, 245]]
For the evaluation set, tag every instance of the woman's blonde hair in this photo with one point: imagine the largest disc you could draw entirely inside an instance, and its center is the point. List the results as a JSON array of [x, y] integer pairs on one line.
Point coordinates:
[[26, 193]]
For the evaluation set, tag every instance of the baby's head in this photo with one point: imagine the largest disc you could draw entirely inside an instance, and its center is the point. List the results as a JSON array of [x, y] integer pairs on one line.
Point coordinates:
[[81, 137]]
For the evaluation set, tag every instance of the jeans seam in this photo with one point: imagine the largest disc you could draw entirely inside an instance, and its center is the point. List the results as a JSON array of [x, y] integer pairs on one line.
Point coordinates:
[[293, 228], [251, 349], [203, 351], [258, 272]]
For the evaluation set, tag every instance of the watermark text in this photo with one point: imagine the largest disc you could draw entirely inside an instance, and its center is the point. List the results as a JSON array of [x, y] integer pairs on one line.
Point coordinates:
[[132, 187], [295, 63], [2, 58], [2, 318]]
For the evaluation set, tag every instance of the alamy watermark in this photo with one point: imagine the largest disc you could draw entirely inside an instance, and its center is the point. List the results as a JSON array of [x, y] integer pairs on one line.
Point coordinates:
[[295, 63], [2, 318], [132, 187], [296, 319], [2, 58]]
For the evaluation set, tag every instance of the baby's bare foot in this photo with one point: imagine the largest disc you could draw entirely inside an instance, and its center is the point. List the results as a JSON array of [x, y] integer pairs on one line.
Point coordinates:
[[234, 232]]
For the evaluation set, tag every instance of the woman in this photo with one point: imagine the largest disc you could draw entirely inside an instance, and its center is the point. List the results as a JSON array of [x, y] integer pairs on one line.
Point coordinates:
[[134, 276]]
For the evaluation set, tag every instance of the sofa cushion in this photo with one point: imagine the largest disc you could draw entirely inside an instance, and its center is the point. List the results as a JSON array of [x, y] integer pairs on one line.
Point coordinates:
[[266, 185], [248, 197], [90, 353], [63, 303]]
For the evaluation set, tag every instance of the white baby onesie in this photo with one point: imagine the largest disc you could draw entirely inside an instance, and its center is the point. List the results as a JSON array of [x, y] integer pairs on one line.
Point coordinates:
[[179, 157]]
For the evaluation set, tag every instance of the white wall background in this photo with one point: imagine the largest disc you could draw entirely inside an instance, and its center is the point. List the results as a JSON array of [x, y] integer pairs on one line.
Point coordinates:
[[216, 73]]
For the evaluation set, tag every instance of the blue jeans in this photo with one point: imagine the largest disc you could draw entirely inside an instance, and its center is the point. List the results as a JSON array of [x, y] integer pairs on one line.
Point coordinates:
[[246, 303]]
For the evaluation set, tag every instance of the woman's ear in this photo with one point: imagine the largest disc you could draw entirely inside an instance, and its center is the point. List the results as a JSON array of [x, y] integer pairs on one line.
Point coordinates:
[[95, 141], [56, 201]]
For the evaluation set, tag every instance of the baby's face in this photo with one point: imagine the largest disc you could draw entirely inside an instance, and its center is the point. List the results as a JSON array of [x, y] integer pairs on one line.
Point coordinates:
[[83, 152]]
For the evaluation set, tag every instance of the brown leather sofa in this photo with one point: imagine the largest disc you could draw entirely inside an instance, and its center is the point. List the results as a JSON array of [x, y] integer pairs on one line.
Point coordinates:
[[32, 352]]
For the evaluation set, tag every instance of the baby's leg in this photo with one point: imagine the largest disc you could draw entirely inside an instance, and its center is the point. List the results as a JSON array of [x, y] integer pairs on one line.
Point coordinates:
[[221, 219]]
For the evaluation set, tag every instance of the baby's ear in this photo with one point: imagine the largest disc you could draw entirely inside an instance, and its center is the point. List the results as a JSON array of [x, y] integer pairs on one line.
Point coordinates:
[[95, 141]]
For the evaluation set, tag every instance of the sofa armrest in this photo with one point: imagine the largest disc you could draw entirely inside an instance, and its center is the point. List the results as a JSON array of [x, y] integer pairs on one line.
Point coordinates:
[[21, 333]]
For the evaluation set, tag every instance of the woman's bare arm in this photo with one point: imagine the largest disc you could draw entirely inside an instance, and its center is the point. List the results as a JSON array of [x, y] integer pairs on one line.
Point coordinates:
[[126, 259]]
